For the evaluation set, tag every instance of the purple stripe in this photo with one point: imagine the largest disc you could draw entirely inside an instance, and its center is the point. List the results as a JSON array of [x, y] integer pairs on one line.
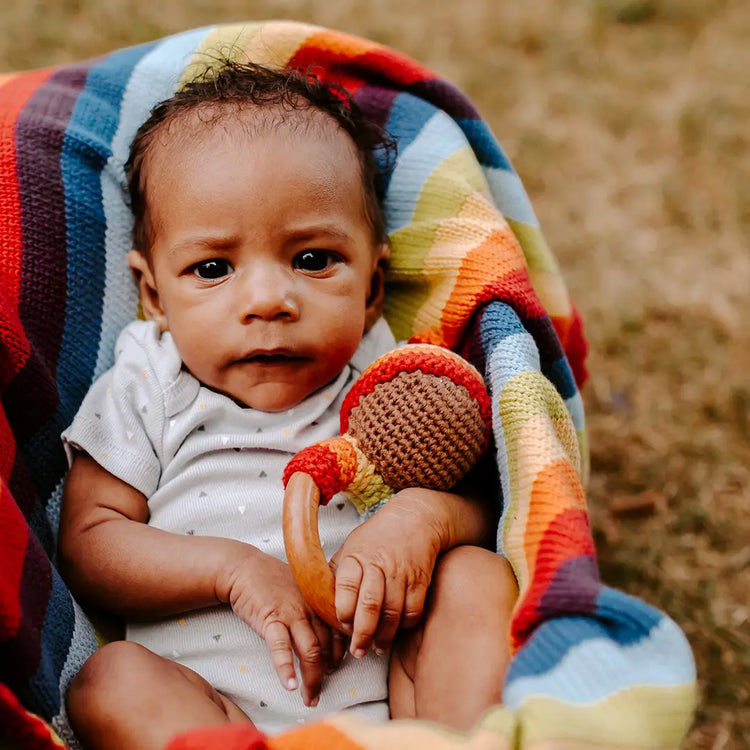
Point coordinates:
[[39, 138], [375, 103], [21, 486], [573, 589], [446, 96]]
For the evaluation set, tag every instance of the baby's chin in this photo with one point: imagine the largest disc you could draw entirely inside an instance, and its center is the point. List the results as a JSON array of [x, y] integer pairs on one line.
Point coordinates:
[[273, 398]]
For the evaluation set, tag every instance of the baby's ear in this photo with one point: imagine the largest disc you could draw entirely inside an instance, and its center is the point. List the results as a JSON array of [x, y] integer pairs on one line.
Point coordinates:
[[144, 278], [376, 297]]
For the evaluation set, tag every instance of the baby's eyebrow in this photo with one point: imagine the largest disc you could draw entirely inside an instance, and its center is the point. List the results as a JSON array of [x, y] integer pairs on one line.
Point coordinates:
[[306, 233], [207, 242]]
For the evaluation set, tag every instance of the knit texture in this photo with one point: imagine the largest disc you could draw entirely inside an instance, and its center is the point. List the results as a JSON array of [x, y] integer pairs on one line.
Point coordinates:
[[470, 270], [419, 416]]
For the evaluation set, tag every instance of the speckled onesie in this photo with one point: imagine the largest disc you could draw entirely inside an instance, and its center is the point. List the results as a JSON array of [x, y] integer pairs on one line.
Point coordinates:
[[212, 467]]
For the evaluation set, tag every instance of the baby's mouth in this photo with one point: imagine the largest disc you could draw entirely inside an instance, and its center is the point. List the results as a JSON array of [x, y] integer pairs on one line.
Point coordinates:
[[271, 358]]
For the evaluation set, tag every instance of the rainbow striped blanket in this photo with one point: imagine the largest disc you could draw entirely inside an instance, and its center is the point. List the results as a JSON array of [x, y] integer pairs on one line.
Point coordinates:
[[470, 270]]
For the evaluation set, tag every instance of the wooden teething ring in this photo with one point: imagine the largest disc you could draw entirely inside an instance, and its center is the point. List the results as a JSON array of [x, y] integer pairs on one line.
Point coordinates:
[[303, 549]]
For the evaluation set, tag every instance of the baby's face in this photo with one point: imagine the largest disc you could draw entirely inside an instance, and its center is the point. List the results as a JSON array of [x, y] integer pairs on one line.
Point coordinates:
[[262, 258]]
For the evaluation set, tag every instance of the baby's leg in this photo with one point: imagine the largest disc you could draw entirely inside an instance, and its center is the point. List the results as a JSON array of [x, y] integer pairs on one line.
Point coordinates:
[[125, 696], [451, 667]]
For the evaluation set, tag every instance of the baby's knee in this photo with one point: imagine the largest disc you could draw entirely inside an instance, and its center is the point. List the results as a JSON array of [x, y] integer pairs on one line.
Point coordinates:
[[470, 577], [105, 674]]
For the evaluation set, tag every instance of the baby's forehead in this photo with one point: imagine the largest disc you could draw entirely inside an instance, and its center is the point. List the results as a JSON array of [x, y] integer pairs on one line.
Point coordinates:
[[211, 120]]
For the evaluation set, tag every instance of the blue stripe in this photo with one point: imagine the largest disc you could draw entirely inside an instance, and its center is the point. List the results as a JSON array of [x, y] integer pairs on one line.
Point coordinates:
[[629, 619], [510, 196], [595, 665], [85, 152], [485, 145], [153, 78], [407, 117], [574, 405], [618, 617], [498, 322], [561, 377], [55, 640]]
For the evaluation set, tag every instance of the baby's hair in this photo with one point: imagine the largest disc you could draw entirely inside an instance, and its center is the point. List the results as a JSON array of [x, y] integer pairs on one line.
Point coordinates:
[[242, 84]]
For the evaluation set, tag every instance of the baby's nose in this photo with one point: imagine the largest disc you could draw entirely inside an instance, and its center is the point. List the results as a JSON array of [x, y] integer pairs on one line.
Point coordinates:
[[266, 294]]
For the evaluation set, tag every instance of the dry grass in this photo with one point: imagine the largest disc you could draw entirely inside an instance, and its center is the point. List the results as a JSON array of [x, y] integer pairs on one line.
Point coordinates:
[[628, 120]]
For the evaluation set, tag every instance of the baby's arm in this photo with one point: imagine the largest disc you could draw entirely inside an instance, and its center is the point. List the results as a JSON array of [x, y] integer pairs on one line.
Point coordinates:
[[384, 568], [113, 560]]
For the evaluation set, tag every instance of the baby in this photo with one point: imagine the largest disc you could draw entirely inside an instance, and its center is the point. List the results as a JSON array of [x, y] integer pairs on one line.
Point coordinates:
[[259, 254]]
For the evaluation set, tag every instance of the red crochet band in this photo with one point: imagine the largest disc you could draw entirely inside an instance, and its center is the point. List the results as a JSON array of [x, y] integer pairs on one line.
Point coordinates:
[[427, 358], [332, 464]]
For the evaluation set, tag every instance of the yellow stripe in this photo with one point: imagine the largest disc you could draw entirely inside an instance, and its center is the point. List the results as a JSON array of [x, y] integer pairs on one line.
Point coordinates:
[[637, 718], [266, 43], [535, 247], [449, 185], [552, 292], [583, 443], [278, 42], [224, 41], [544, 270]]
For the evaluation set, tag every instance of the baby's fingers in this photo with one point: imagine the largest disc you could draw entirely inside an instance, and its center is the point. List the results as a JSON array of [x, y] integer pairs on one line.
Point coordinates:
[[367, 614], [311, 663], [413, 604], [339, 647], [325, 639], [390, 615], [279, 642], [348, 581]]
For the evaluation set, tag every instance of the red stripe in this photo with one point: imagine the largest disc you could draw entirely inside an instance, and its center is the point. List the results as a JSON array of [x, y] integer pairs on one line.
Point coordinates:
[[24, 729], [14, 534], [576, 348], [15, 93], [351, 61]]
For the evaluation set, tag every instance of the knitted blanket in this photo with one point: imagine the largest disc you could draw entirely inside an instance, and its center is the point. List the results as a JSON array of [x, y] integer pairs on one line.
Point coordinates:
[[470, 270]]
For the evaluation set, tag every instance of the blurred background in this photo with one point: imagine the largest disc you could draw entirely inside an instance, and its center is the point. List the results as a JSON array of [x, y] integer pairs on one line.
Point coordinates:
[[629, 121]]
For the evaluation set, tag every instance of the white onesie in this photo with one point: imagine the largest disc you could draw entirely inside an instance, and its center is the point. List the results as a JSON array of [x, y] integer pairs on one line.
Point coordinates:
[[209, 466]]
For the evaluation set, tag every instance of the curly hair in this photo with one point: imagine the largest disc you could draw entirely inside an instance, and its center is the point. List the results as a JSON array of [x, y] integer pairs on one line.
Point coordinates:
[[287, 90]]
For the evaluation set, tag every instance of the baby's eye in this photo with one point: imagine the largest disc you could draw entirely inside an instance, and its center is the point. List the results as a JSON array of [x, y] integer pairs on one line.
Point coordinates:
[[314, 260], [213, 269]]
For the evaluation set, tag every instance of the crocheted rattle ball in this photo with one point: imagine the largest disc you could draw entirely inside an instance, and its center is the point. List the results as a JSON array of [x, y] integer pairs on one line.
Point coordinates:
[[419, 416]]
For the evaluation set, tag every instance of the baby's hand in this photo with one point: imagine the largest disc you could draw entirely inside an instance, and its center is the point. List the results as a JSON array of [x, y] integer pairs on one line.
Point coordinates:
[[263, 593], [383, 570]]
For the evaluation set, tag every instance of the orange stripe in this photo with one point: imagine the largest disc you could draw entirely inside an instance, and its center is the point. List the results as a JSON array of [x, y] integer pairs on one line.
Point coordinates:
[[14, 95], [319, 734], [496, 257], [556, 490]]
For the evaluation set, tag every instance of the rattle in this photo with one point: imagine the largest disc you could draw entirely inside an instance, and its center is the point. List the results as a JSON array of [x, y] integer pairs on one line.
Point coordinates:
[[419, 416]]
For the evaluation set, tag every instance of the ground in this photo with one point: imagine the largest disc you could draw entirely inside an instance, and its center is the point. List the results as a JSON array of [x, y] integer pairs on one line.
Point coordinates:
[[628, 121]]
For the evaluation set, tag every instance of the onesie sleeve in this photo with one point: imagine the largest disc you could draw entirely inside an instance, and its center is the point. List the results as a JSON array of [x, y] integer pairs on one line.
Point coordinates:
[[121, 420]]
